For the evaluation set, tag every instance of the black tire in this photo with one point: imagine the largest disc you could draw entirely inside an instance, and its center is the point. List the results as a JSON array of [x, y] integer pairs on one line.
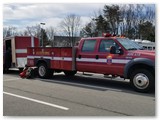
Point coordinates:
[[5, 70], [70, 73], [142, 80], [44, 72], [20, 69]]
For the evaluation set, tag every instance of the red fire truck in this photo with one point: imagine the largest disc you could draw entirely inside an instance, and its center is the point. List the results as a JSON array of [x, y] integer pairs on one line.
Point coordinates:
[[107, 55], [15, 51]]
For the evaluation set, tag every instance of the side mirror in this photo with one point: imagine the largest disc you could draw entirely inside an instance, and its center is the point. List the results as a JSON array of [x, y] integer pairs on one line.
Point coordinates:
[[120, 51]]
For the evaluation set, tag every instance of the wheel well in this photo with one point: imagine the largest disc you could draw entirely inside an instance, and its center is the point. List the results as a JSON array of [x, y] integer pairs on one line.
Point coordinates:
[[40, 62], [140, 66]]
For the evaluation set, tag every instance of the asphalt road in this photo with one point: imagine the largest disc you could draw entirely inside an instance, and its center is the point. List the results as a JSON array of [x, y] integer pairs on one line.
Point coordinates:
[[82, 95]]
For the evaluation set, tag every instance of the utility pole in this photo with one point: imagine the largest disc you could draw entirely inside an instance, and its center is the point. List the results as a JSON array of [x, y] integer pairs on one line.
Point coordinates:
[[42, 32]]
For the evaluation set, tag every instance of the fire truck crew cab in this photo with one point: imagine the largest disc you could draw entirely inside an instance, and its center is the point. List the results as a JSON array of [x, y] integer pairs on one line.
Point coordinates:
[[107, 55]]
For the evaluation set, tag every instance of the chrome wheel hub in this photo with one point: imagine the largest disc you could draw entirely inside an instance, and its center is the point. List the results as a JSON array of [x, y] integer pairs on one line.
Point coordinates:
[[141, 81], [42, 70]]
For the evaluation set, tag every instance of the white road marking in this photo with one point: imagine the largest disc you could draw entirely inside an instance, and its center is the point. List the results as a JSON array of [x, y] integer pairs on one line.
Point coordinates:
[[6, 80], [37, 101]]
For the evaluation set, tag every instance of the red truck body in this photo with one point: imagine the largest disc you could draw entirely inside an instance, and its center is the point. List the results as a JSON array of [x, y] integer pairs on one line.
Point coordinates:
[[95, 55], [18, 48], [56, 58]]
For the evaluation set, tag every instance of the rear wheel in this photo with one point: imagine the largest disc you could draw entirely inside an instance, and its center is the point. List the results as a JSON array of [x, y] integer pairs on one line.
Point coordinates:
[[44, 72], [142, 80], [20, 69]]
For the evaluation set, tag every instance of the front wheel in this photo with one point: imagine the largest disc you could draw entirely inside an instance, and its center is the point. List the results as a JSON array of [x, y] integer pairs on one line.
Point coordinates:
[[142, 80], [44, 72]]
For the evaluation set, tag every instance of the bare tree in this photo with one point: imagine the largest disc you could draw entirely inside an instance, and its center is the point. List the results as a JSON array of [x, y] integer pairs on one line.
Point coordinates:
[[112, 15], [88, 30], [70, 25], [34, 30], [150, 14], [51, 32], [9, 31], [133, 15], [24, 33]]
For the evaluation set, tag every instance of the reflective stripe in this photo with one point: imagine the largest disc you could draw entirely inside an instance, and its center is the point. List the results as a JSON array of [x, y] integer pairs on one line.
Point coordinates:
[[67, 59], [51, 58], [32, 57], [120, 61], [62, 58], [57, 58], [21, 50], [91, 60], [123, 61]]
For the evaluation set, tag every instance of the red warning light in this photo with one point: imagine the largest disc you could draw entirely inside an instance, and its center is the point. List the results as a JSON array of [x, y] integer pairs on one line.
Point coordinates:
[[122, 36], [106, 35]]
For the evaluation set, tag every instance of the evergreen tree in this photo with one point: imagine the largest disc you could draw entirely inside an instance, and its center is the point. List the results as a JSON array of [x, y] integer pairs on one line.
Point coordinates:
[[43, 38]]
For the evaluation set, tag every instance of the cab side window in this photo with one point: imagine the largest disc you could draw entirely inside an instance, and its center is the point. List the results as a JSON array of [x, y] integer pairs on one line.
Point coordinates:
[[88, 45], [106, 44]]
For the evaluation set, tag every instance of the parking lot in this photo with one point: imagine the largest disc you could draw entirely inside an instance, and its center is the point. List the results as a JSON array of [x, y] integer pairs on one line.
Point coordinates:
[[81, 95]]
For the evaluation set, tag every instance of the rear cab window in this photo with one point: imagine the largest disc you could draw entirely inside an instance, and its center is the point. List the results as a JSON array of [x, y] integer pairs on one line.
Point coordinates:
[[89, 45]]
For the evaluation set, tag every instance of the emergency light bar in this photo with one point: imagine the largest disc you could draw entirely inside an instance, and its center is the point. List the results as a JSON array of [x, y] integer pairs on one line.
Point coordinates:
[[110, 35], [106, 35]]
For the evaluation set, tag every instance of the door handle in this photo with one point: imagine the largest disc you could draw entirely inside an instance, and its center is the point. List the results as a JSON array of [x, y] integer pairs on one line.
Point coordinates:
[[79, 56], [97, 56]]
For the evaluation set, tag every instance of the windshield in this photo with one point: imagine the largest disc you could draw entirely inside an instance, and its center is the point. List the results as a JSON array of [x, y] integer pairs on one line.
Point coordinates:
[[129, 45]]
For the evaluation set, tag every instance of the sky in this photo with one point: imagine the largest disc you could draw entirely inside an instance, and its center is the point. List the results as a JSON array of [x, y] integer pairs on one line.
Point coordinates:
[[21, 15], [28, 14]]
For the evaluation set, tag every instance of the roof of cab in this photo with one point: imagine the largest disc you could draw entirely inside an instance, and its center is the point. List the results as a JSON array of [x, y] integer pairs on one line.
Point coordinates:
[[93, 38]]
